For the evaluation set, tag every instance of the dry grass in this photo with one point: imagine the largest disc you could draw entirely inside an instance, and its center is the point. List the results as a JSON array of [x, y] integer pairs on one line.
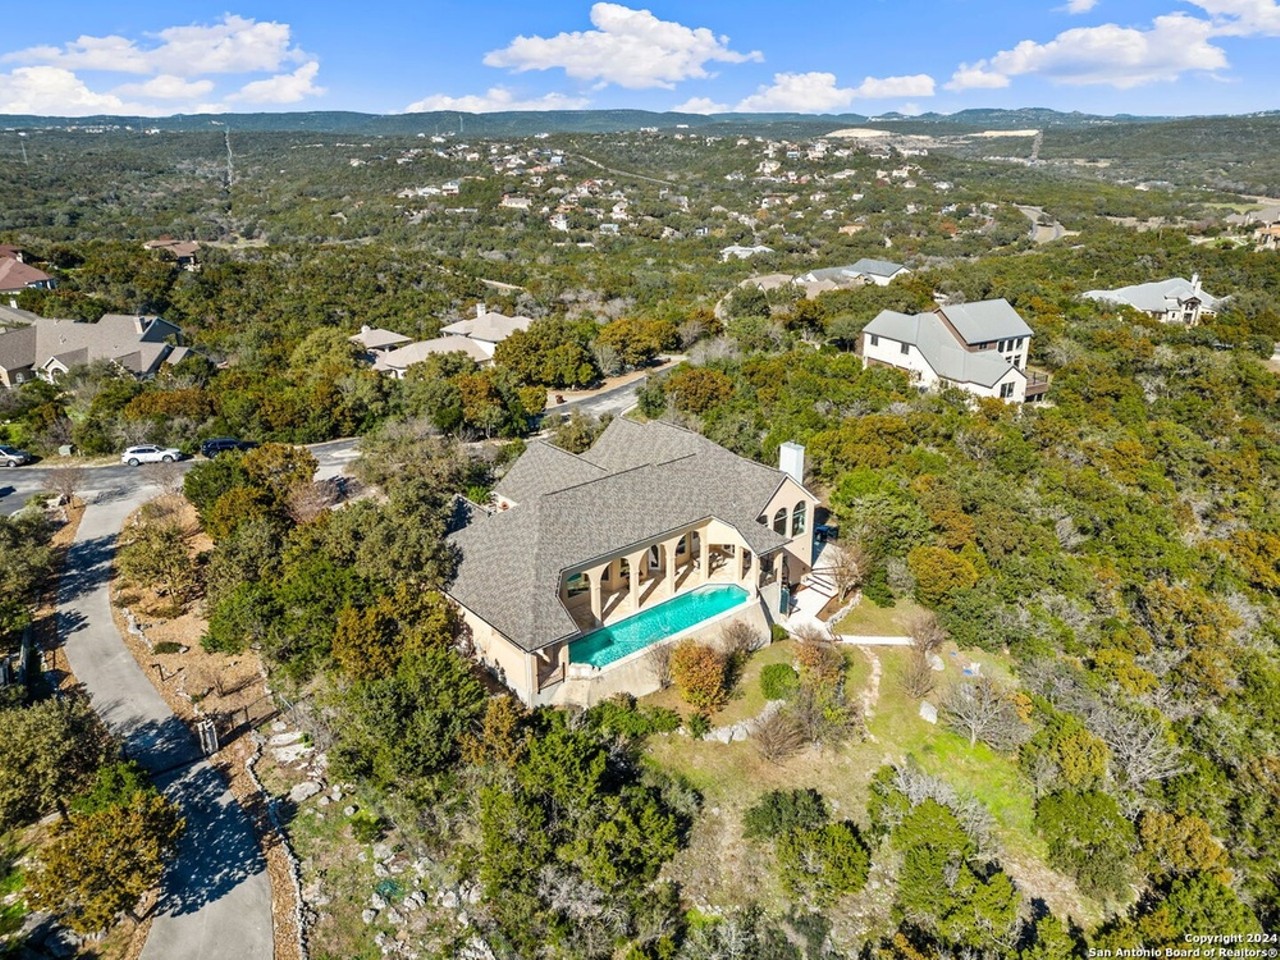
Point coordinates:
[[869, 620]]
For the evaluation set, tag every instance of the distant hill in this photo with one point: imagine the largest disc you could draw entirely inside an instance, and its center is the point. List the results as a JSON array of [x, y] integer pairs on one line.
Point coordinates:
[[590, 121]]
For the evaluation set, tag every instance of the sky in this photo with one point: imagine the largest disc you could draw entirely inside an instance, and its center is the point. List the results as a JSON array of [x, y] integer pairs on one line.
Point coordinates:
[[145, 57]]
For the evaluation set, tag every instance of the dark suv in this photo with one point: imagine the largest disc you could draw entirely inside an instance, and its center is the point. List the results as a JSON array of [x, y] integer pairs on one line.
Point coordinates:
[[216, 445]]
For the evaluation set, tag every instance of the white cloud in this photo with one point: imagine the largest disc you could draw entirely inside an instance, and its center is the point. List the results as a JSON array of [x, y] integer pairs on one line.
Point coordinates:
[[167, 87], [234, 44], [701, 105], [1243, 18], [818, 92], [494, 100], [52, 90], [814, 92], [631, 48], [882, 88], [282, 88], [1121, 57], [1079, 6]]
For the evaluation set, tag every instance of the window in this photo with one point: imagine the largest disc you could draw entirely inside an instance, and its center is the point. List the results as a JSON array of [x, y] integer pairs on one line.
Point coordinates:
[[1006, 391], [780, 521], [798, 518], [682, 547], [875, 340], [906, 348]]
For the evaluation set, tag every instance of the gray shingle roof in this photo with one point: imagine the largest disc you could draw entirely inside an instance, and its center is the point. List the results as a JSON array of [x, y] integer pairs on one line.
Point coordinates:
[[136, 343], [653, 478], [1158, 297], [865, 267], [878, 268], [986, 320], [939, 348], [543, 468]]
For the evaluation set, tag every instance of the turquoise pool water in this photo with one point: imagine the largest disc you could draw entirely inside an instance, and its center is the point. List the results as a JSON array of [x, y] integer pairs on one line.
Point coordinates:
[[602, 647]]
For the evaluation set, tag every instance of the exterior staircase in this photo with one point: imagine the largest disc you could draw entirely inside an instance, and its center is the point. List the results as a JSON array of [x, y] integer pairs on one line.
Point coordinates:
[[820, 581]]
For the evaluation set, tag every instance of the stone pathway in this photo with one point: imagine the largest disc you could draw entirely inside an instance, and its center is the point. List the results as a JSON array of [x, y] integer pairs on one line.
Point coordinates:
[[870, 695]]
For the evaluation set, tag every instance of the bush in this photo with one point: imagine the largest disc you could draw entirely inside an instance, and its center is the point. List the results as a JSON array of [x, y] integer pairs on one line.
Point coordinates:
[[781, 810], [825, 862], [620, 716], [1089, 838], [938, 572], [366, 827], [701, 674], [777, 633], [778, 681], [698, 725], [876, 588], [167, 646]]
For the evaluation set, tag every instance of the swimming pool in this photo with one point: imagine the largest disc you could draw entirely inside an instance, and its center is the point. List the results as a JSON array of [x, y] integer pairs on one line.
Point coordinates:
[[609, 644]]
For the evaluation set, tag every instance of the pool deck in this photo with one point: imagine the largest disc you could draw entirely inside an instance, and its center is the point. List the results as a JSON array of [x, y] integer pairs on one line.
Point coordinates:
[[634, 674]]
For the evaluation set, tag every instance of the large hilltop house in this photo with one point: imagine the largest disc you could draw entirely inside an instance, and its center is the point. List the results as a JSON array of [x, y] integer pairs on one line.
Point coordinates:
[[1175, 300], [979, 347], [37, 346], [646, 522]]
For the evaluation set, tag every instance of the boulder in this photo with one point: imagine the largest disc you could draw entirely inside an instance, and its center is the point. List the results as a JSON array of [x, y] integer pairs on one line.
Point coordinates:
[[304, 791]]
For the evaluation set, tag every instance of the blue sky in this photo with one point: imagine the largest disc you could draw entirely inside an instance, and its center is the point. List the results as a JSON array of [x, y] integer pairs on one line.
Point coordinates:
[[859, 56]]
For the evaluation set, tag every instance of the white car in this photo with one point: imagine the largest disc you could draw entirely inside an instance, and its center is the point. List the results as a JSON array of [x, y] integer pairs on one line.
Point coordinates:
[[150, 454]]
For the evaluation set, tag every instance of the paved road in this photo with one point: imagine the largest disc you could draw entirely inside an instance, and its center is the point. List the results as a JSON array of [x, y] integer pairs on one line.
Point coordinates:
[[1041, 232], [216, 899], [19, 483]]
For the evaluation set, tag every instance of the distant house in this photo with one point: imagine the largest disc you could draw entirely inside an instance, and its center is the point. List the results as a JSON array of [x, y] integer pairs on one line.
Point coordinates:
[[1170, 301], [741, 252], [396, 363], [650, 515], [16, 276], [48, 348], [375, 341], [486, 329], [182, 252], [1267, 236], [978, 347], [879, 272]]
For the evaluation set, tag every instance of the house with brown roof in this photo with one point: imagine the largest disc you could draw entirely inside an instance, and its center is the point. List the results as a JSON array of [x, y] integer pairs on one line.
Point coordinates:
[[16, 276], [183, 252], [583, 563], [48, 348]]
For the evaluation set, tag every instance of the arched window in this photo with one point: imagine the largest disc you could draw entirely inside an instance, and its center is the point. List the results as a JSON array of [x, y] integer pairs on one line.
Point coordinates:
[[798, 517], [780, 521]]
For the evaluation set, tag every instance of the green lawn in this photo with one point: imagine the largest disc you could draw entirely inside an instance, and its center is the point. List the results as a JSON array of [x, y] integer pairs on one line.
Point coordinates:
[[746, 699], [868, 619]]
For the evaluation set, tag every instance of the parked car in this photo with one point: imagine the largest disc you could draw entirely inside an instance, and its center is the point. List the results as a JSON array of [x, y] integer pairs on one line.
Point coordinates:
[[150, 454], [216, 445], [13, 457]]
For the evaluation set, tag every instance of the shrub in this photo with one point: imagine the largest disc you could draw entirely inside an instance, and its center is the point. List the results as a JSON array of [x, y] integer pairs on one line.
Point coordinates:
[[366, 827], [778, 736], [876, 587], [620, 715], [698, 725], [824, 862], [777, 633], [778, 811], [701, 673], [1088, 837], [167, 646], [778, 681], [938, 572]]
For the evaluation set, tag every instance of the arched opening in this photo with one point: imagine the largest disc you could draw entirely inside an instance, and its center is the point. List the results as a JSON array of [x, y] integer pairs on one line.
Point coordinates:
[[780, 521], [577, 584], [799, 518]]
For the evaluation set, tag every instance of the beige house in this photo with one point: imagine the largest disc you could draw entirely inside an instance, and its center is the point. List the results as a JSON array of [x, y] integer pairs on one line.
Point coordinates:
[[1176, 300], [47, 348], [651, 513]]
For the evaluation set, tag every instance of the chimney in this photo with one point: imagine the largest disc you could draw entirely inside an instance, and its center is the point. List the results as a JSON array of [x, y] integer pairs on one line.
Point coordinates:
[[791, 461], [1195, 283], [364, 328], [481, 310]]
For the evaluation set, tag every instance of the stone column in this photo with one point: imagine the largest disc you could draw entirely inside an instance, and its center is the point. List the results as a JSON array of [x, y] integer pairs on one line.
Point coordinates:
[[633, 563], [704, 554], [670, 547], [596, 588]]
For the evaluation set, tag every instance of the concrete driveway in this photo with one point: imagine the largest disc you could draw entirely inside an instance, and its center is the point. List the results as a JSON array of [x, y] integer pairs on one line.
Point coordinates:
[[216, 898]]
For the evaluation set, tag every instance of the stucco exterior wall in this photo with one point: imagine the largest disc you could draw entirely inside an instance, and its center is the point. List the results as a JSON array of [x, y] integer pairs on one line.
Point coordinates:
[[889, 352], [496, 651]]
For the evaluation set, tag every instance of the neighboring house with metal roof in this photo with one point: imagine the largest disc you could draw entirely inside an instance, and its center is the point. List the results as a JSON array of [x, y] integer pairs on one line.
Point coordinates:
[[740, 252], [48, 348], [979, 347], [486, 329], [397, 362], [1176, 300], [649, 513], [866, 270]]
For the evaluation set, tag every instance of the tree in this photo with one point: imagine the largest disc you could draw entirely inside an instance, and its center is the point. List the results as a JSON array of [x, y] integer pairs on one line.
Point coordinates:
[[67, 482], [278, 468], [982, 710], [637, 341], [778, 736], [579, 432], [370, 642], [824, 862], [848, 566], [155, 552], [701, 673], [938, 572], [49, 752], [1175, 845], [99, 865], [24, 559], [1090, 838], [779, 811], [697, 389]]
